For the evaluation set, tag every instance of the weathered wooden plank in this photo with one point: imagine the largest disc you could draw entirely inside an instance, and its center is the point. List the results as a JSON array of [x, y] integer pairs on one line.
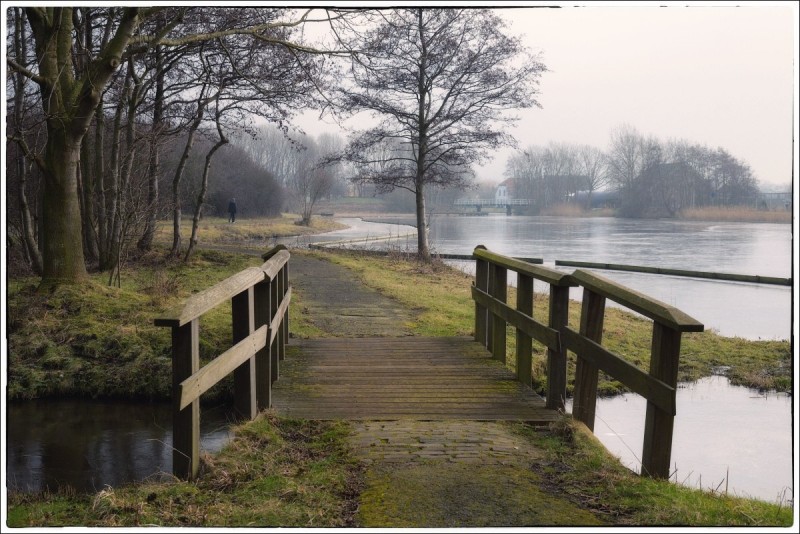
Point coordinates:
[[201, 302], [220, 367], [755, 279], [517, 319], [654, 390], [639, 302], [545, 274], [393, 382]]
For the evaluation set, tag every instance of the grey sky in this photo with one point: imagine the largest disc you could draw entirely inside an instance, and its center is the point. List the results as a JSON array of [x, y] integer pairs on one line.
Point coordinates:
[[722, 76]]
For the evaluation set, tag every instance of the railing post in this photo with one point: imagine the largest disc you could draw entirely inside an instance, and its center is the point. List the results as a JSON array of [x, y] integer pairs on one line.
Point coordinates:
[[524, 341], [592, 314], [274, 355], [186, 422], [262, 316], [557, 360], [281, 339], [244, 376], [658, 424], [498, 288], [481, 314], [285, 274]]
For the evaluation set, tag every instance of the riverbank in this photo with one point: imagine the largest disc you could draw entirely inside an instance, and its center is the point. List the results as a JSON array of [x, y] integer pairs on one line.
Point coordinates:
[[286, 473]]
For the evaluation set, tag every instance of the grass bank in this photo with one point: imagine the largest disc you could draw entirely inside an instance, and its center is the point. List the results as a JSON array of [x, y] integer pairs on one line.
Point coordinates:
[[276, 473], [218, 231]]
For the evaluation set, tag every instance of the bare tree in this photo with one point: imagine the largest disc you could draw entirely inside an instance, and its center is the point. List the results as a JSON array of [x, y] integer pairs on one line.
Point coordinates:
[[439, 81], [73, 69]]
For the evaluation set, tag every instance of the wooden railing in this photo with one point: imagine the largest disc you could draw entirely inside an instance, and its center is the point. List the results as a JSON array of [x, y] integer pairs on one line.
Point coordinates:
[[492, 313], [260, 299], [658, 386]]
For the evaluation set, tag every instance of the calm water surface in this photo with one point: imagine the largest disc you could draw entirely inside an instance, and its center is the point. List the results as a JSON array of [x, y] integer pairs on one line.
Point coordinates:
[[752, 311], [91, 444], [724, 437]]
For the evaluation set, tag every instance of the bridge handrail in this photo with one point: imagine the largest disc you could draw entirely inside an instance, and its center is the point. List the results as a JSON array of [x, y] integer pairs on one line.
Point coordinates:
[[210, 298], [492, 314], [260, 298]]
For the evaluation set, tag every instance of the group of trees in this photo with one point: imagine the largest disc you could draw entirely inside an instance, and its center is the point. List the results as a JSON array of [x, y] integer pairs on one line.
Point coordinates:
[[110, 104], [101, 94], [651, 177]]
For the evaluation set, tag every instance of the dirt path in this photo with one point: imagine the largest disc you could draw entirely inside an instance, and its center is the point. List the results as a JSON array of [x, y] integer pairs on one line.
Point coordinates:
[[428, 473]]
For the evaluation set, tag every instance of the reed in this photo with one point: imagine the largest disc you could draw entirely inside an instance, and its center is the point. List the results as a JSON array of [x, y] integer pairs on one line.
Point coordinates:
[[735, 214]]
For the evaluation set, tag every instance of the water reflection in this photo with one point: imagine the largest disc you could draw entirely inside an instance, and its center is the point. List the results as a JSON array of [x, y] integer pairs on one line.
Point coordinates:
[[88, 445], [724, 437]]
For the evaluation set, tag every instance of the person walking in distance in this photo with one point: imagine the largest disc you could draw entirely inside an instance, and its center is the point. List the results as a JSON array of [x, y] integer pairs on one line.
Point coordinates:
[[232, 210]]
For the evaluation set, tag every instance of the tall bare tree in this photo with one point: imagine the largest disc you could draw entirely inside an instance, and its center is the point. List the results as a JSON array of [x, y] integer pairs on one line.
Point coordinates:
[[438, 80]]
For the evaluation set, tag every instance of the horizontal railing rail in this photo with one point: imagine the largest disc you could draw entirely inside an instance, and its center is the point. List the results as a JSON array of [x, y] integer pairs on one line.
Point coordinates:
[[260, 298]]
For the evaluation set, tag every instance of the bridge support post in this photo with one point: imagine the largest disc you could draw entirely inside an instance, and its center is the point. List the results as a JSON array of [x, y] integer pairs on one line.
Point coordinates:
[[481, 313], [557, 360], [498, 288], [586, 374], [658, 424], [263, 315], [244, 376], [186, 422], [524, 341]]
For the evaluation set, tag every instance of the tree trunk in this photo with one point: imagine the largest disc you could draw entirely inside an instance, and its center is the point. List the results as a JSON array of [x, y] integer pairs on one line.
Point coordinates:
[[87, 181], [146, 241], [201, 197], [422, 228], [62, 238]]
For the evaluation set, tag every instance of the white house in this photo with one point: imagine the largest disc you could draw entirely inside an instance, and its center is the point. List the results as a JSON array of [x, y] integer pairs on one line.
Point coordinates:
[[503, 193]]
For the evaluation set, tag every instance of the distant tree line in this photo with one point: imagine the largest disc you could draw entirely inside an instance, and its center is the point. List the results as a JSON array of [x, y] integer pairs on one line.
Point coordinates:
[[651, 178]]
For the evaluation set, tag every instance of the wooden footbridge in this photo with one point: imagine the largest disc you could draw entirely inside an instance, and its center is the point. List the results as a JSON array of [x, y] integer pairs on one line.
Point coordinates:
[[423, 378]]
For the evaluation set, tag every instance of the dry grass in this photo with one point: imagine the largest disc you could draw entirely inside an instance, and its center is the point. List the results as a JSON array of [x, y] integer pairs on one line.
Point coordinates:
[[735, 214]]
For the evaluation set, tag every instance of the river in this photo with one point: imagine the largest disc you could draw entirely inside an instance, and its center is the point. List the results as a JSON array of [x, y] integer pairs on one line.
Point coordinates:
[[723, 434]]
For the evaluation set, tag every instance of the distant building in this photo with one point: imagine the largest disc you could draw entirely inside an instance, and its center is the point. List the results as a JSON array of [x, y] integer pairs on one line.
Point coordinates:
[[504, 192]]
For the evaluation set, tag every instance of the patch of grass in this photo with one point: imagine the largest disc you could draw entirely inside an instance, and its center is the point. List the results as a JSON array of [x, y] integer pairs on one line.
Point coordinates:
[[440, 295], [218, 231], [577, 466], [99, 341], [277, 472]]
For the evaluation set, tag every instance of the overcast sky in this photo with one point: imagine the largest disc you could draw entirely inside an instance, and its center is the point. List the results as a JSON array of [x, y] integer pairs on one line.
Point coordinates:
[[722, 76]]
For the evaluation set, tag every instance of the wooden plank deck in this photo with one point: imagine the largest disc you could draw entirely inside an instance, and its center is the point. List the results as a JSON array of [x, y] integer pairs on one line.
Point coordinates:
[[401, 378]]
